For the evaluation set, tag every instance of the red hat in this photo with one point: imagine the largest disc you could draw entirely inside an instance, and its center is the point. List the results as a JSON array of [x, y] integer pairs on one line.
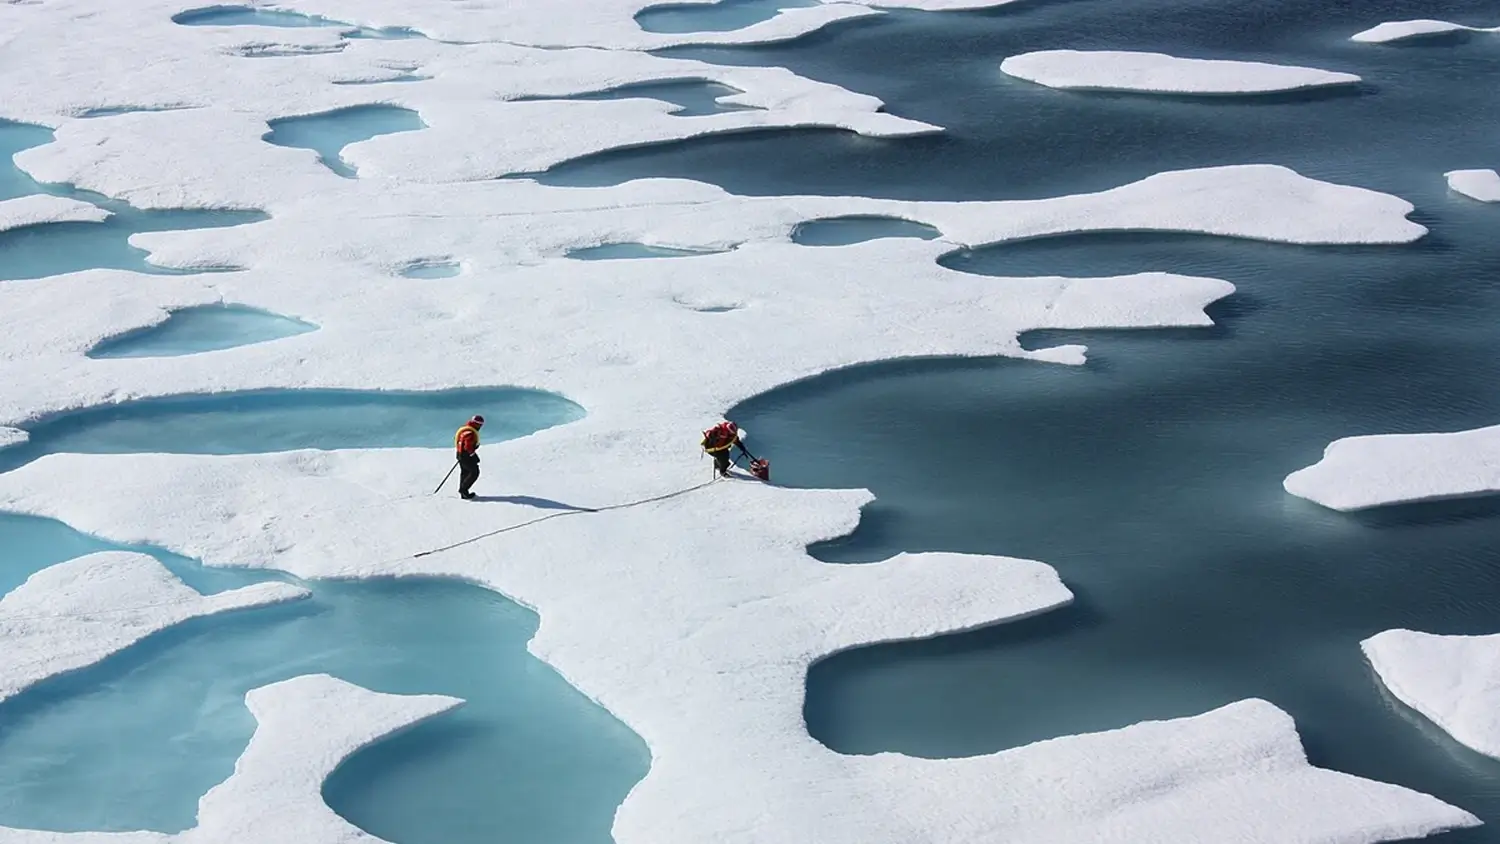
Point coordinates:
[[477, 420]]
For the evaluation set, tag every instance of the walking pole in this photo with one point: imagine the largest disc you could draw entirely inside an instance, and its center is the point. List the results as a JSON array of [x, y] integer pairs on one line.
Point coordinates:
[[446, 477]]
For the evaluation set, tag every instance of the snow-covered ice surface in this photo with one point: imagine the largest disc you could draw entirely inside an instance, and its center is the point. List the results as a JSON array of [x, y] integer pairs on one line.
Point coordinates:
[[1116, 70], [1371, 471], [1395, 31], [717, 664], [697, 633], [1453, 680], [305, 727], [73, 614], [40, 209], [12, 436], [1483, 185]]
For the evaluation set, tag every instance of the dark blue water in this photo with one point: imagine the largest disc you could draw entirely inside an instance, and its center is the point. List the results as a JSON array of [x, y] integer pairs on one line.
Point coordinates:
[[693, 97], [329, 132], [38, 251], [201, 329], [286, 420], [134, 741], [1011, 139]]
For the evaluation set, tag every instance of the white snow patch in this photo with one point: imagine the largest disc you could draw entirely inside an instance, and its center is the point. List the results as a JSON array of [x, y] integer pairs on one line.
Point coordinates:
[[76, 613], [12, 436], [1116, 70], [1392, 31], [1483, 185], [40, 209], [1370, 471], [1453, 680]]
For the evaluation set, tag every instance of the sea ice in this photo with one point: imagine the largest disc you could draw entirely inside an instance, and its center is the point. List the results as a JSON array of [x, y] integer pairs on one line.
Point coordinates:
[[611, 24], [12, 436], [1393, 31], [1453, 680], [1370, 471], [1116, 70], [1483, 185], [74, 614], [40, 209], [724, 653], [696, 632]]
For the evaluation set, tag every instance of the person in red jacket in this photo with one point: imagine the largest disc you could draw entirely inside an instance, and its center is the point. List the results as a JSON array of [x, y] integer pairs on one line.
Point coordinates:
[[718, 441], [466, 444]]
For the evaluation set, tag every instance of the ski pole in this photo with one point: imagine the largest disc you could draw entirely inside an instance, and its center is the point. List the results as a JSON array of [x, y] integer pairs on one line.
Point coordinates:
[[446, 477]]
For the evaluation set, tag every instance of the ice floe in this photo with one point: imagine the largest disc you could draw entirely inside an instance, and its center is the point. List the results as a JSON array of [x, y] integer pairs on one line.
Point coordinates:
[[1371, 471], [12, 436], [1117, 70], [40, 209], [695, 632], [1453, 680], [76, 613], [1394, 31], [1483, 185]]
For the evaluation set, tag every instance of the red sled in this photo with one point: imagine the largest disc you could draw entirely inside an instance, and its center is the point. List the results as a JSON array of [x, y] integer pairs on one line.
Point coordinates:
[[761, 469]]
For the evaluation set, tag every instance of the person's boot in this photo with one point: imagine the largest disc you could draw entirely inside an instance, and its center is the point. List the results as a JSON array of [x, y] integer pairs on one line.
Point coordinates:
[[467, 496]]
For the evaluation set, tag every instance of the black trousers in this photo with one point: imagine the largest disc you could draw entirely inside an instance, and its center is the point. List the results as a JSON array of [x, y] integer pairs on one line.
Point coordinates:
[[721, 459], [468, 472]]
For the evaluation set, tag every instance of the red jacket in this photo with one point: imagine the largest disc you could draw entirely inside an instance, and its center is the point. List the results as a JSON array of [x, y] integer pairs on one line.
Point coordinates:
[[466, 441]]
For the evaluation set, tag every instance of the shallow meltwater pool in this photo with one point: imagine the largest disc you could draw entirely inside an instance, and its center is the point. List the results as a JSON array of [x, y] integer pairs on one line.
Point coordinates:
[[265, 421], [201, 329], [133, 742]]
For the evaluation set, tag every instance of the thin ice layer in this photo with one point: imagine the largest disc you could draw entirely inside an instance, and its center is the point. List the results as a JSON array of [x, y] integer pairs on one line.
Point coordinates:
[[1453, 680], [1117, 70]]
